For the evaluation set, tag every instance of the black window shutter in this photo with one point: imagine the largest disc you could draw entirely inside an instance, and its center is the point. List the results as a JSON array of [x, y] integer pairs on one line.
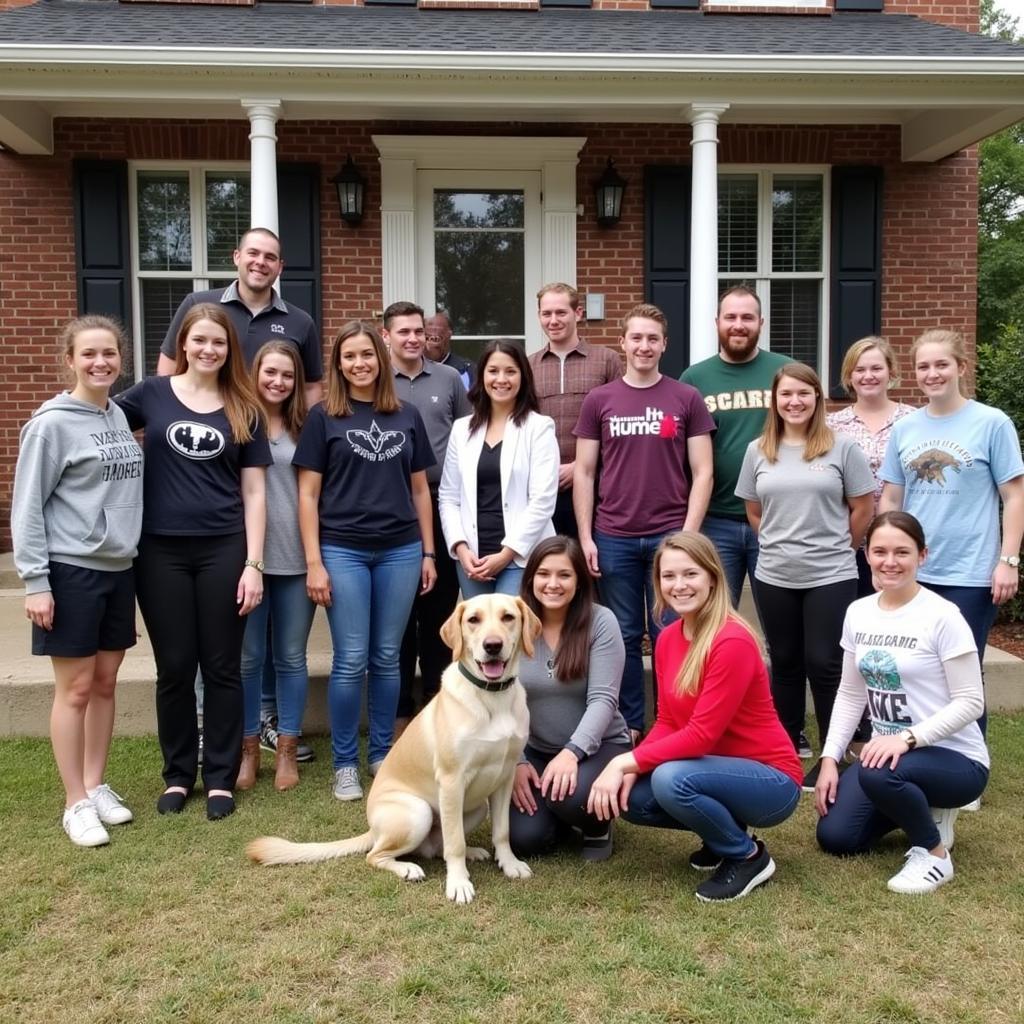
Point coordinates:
[[298, 214], [565, 3], [856, 262], [102, 246], [667, 257], [693, 5]]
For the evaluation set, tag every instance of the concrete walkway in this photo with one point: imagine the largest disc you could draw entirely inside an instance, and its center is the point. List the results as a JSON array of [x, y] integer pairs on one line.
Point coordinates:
[[26, 683]]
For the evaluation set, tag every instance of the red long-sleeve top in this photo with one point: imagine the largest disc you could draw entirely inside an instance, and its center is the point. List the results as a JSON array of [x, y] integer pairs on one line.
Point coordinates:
[[731, 713]]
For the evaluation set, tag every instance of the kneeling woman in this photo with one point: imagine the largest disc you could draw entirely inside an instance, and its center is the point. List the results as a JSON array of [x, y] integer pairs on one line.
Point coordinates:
[[717, 759], [572, 691], [911, 654]]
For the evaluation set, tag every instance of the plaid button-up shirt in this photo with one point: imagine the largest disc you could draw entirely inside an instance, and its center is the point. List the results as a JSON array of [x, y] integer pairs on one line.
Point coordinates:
[[562, 384]]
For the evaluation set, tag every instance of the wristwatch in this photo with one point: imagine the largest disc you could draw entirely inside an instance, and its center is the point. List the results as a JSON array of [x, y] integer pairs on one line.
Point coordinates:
[[909, 738], [254, 563], [1013, 561]]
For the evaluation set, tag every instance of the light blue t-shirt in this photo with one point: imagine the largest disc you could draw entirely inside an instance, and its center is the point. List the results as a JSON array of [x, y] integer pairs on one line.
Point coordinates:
[[950, 469]]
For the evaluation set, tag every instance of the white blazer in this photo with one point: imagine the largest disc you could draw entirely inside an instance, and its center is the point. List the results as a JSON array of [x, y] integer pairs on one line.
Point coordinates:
[[529, 484]]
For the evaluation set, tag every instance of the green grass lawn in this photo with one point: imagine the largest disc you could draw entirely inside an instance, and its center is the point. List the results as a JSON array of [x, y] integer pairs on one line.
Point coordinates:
[[171, 923]]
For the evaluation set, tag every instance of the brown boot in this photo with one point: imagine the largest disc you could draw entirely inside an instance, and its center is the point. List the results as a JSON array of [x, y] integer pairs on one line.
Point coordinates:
[[250, 763], [286, 774]]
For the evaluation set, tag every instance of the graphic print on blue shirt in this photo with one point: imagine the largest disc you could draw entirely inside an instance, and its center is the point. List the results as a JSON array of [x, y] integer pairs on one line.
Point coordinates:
[[195, 440], [376, 445]]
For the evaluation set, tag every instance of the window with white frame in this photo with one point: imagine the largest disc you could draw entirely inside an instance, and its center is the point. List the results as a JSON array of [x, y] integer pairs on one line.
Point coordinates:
[[772, 235], [186, 222]]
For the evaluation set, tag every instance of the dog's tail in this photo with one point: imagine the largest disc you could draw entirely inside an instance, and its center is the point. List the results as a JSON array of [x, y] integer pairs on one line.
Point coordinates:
[[273, 850]]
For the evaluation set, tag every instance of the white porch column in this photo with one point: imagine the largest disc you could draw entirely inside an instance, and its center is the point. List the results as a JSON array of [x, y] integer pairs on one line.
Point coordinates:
[[263, 115], [704, 229]]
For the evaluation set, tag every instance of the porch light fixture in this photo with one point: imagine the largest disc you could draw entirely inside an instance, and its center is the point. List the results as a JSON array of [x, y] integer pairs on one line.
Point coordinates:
[[609, 189], [351, 186]]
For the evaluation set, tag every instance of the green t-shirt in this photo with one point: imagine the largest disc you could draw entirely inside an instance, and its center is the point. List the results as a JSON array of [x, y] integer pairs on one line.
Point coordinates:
[[737, 396]]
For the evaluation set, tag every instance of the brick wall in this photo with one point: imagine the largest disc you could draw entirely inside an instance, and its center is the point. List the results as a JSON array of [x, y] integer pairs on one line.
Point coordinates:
[[929, 225]]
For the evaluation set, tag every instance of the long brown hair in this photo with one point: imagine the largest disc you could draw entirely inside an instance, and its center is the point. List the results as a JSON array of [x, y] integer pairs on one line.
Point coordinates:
[[572, 659], [338, 401], [715, 613], [820, 438], [293, 408], [241, 406]]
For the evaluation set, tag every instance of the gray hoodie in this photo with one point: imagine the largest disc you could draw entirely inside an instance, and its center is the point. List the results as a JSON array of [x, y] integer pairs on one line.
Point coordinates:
[[77, 491]]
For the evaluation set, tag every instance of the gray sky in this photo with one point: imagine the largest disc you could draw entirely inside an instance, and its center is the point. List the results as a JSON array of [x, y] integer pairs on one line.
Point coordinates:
[[1015, 8]]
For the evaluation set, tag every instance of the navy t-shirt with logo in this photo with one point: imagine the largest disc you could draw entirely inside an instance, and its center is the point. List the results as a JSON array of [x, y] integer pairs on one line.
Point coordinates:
[[192, 479], [367, 461]]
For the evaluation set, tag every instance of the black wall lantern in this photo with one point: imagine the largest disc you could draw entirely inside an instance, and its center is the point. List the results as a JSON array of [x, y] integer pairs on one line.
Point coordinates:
[[351, 186], [609, 189]]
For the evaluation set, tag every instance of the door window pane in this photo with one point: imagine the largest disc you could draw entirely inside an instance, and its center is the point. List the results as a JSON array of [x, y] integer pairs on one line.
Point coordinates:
[[737, 224], [165, 228], [468, 209], [796, 319], [479, 280], [796, 223], [227, 216]]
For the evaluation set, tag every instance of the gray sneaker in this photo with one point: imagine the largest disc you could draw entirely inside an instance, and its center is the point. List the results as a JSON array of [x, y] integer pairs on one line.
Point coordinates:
[[346, 784], [375, 767]]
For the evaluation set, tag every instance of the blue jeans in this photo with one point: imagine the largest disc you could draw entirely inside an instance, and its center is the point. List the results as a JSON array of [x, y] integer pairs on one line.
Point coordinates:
[[289, 611], [871, 802], [737, 547], [975, 604], [506, 582], [626, 587], [371, 596], [716, 797]]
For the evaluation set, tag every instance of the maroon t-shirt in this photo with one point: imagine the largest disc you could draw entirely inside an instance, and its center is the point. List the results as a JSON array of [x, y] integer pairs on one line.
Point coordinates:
[[645, 473]]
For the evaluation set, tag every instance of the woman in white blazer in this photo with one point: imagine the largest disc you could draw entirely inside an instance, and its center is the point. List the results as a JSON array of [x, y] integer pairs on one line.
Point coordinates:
[[500, 476]]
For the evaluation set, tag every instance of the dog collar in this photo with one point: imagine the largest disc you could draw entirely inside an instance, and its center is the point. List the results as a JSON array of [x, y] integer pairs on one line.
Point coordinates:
[[486, 684]]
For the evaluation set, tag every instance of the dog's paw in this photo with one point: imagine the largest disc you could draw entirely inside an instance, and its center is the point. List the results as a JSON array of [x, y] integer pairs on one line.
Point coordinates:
[[459, 890], [409, 871], [514, 868], [477, 853]]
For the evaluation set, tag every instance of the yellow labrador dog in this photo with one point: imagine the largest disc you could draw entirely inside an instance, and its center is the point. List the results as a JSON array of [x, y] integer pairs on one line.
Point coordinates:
[[456, 759]]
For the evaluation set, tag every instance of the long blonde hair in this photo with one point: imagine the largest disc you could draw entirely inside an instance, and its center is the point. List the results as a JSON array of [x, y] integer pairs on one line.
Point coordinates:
[[709, 620], [293, 410], [820, 438], [241, 406]]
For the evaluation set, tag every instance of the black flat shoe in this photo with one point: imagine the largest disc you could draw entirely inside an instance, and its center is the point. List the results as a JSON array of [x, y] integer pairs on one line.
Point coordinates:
[[218, 807], [597, 848], [171, 802]]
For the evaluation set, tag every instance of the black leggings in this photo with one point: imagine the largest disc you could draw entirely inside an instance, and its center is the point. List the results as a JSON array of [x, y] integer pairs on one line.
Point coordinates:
[[186, 588], [803, 629], [538, 833]]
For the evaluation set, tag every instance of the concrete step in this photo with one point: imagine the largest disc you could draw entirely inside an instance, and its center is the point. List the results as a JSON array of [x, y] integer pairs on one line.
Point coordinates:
[[26, 682]]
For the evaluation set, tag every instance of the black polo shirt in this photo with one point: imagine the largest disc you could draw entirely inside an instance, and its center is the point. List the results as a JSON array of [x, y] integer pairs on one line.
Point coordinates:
[[280, 321]]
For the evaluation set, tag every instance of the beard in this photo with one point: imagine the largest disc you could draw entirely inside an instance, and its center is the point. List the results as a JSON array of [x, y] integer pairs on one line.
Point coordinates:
[[738, 347]]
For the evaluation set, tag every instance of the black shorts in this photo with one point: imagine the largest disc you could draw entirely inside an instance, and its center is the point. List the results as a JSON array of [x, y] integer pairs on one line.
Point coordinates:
[[92, 611]]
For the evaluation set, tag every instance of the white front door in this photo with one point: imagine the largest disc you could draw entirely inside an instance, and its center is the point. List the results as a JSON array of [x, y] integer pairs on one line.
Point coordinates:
[[478, 258]]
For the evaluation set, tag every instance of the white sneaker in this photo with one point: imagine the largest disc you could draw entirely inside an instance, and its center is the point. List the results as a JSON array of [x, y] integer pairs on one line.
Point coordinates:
[[108, 806], [82, 825], [346, 784], [375, 767], [974, 805], [944, 818], [922, 872]]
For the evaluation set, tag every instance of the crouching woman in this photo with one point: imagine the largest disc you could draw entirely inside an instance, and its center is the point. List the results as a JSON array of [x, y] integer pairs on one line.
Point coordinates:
[[912, 656], [717, 760]]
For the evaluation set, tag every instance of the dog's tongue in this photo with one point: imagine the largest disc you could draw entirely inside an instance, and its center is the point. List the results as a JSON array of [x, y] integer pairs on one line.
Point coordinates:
[[493, 669]]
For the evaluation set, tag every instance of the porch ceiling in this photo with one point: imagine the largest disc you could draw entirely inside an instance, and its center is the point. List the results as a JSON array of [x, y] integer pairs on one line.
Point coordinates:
[[946, 88]]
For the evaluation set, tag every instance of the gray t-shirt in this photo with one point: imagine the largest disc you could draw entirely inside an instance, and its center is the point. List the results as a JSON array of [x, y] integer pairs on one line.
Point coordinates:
[[805, 521], [283, 554], [438, 393], [584, 712]]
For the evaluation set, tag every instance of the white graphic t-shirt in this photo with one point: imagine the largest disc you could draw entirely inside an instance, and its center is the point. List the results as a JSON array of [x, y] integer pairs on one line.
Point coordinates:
[[900, 656]]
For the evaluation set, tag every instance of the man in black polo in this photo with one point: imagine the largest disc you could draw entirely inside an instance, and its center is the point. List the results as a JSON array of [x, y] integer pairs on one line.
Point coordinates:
[[439, 347], [257, 311], [438, 392]]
